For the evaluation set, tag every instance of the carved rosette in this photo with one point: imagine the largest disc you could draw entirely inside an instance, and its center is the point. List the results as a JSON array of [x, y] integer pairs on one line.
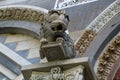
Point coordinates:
[[56, 73], [96, 26], [84, 41], [108, 59], [25, 13]]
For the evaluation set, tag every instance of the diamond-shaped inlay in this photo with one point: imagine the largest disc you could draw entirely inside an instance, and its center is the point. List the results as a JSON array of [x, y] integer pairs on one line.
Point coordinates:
[[2, 38], [23, 53], [11, 45]]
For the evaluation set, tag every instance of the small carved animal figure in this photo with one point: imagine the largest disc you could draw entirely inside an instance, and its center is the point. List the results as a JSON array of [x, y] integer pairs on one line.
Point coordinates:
[[53, 29]]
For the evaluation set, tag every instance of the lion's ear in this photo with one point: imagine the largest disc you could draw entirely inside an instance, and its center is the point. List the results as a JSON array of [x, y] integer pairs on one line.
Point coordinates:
[[66, 16], [61, 11], [50, 12], [54, 11]]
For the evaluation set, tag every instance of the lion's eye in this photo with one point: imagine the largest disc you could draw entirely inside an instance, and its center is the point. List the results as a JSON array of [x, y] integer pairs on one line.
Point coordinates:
[[59, 27], [53, 28]]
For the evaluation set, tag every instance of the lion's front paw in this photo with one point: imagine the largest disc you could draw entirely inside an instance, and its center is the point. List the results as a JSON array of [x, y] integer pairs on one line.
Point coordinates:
[[43, 41], [59, 39]]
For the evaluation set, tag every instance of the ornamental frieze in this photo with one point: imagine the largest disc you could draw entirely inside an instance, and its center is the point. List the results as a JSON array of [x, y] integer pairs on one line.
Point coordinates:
[[57, 74], [108, 59], [105, 17], [22, 13], [84, 41], [96, 26]]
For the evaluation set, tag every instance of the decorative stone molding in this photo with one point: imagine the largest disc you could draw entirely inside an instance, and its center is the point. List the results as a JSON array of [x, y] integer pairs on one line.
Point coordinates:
[[69, 69], [61, 4], [22, 12], [97, 25], [108, 59], [56, 73], [84, 41]]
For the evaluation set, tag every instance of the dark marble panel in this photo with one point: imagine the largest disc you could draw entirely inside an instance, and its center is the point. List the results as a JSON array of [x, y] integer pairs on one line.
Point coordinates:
[[12, 45], [47, 4], [2, 39], [81, 16], [1, 77], [23, 53]]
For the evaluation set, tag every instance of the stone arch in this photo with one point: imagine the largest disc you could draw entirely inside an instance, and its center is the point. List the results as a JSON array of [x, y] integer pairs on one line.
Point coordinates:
[[21, 13], [104, 37], [109, 60], [96, 26]]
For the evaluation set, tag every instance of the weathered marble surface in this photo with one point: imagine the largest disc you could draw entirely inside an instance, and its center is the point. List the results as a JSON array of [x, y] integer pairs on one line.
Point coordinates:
[[108, 58], [68, 67], [56, 73]]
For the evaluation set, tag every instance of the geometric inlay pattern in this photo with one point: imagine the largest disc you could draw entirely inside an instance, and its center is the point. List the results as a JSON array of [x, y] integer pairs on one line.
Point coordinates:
[[25, 46]]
